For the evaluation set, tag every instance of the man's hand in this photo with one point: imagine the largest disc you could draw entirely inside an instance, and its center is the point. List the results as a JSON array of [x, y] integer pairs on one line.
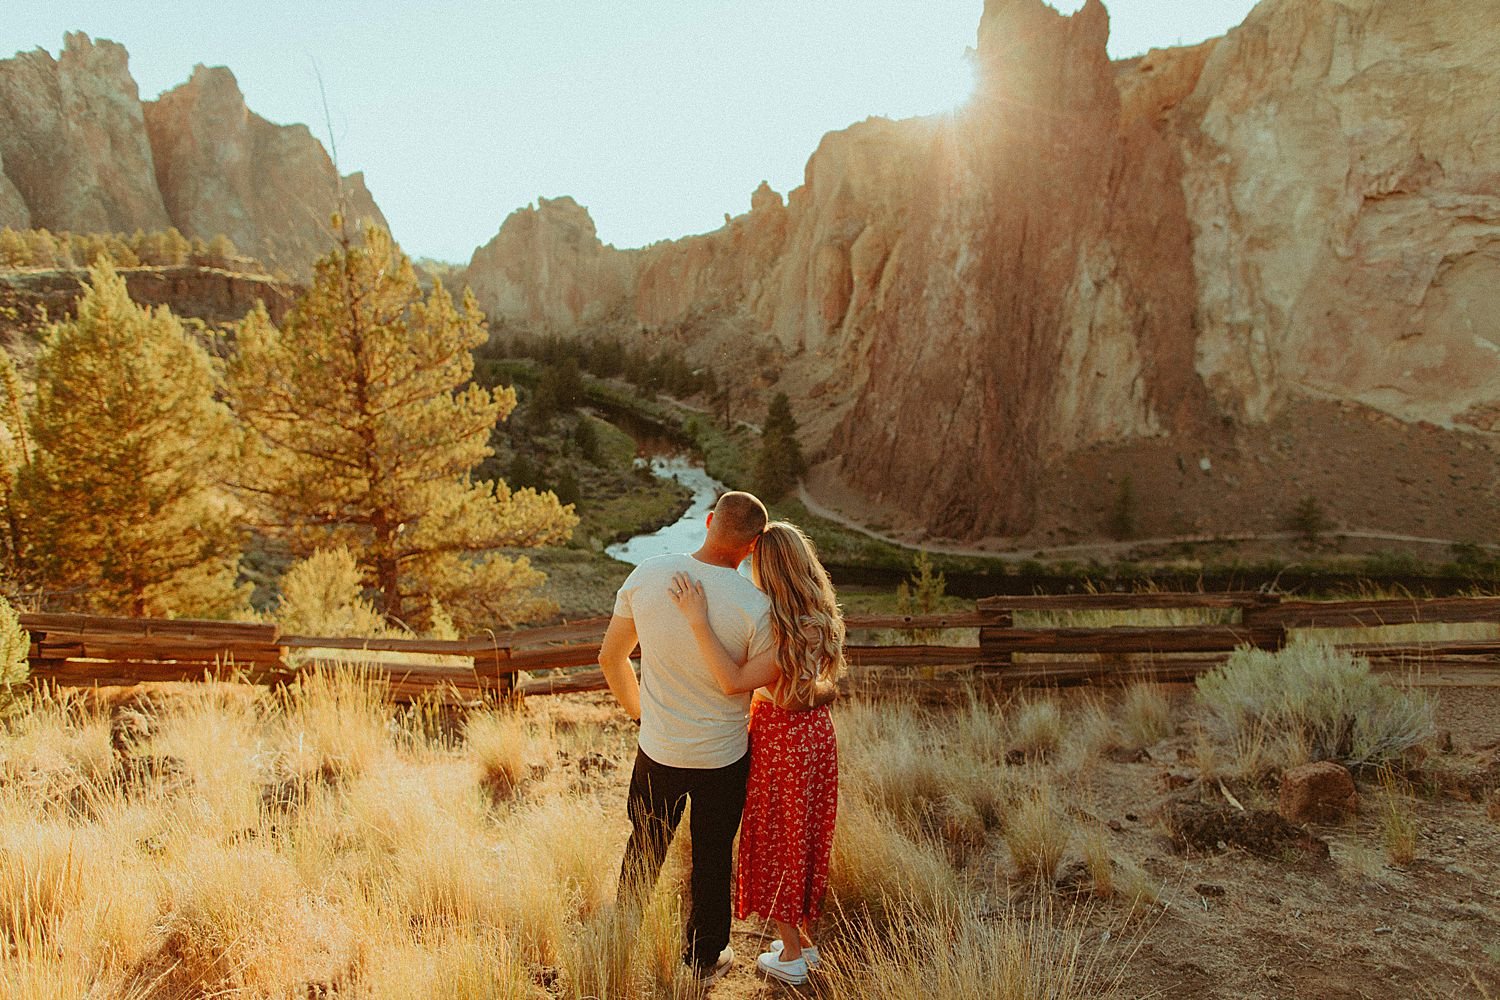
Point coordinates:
[[614, 660]]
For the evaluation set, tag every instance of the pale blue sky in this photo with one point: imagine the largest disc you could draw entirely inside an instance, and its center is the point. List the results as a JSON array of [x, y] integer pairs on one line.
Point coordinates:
[[659, 115]]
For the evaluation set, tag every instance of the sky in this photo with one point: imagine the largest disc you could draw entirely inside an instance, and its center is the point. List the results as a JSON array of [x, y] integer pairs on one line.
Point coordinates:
[[660, 116]]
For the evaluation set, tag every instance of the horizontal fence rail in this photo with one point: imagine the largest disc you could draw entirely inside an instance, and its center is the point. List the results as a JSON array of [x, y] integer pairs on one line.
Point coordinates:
[[89, 650]]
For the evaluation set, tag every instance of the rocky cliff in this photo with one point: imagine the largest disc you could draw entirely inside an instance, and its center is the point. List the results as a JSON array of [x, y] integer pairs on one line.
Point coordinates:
[[1342, 170], [1174, 248], [79, 151], [221, 168], [73, 140]]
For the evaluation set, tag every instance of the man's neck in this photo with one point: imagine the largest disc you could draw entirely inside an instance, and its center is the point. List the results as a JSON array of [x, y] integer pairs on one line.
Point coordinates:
[[718, 557]]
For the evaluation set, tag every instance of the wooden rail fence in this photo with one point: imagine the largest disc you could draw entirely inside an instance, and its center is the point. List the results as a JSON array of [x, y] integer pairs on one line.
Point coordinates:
[[88, 650]]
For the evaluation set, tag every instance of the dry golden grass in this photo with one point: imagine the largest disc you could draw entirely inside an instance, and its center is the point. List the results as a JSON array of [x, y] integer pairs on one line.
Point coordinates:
[[1037, 833], [319, 843], [1098, 857], [958, 952], [1400, 832], [1037, 728], [1145, 715]]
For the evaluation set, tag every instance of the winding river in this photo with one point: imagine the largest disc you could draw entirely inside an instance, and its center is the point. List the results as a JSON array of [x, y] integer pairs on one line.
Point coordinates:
[[686, 533]]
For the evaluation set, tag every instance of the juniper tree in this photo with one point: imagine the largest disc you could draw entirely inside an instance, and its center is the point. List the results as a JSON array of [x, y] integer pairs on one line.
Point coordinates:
[[779, 463], [117, 466], [364, 431], [15, 453]]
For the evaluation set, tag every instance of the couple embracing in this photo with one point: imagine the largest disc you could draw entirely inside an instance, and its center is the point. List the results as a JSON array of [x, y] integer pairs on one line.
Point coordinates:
[[718, 650]]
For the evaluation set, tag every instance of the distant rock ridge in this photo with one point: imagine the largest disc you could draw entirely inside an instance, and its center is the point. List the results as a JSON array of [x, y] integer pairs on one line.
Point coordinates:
[[80, 151], [1091, 254]]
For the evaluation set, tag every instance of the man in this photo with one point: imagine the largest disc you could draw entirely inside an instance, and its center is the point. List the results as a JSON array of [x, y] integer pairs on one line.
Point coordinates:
[[694, 745]]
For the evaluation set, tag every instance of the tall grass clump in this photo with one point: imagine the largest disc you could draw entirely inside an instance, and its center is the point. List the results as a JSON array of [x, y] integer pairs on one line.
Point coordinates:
[[882, 872], [957, 951], [1037, 833], [336, 722], [504, 750], [1315, 703], [1399, 831], [1145, 715], [1037, 729]]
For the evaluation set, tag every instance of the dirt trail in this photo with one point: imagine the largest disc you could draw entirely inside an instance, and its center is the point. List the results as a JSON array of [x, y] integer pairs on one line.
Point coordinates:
[[1087, 549]]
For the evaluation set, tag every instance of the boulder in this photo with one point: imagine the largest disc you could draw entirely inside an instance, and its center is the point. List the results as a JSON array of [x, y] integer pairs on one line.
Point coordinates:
[[1317, 793]]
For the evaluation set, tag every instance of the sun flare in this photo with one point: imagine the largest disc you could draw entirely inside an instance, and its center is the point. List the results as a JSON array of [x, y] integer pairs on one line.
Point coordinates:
[[957, 81]]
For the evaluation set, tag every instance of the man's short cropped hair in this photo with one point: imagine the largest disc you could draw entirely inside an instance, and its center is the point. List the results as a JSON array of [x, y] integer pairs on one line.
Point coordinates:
[[740, 516]]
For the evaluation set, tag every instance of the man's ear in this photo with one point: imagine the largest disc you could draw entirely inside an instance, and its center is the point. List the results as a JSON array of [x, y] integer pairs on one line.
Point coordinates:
[[709, 521]]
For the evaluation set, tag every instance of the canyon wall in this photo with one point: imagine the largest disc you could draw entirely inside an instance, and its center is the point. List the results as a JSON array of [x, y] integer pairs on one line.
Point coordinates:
[[1090, 254], [1342, 167], [80, 151]]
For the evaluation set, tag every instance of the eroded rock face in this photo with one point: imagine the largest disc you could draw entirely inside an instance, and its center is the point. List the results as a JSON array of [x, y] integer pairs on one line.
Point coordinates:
[[221, 168], [80, 152], [1344, 186], [547, 269], [73, 142], [13, 210], [1040, 294]]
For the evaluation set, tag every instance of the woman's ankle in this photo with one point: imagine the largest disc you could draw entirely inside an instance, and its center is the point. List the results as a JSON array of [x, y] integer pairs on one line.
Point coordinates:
[[791, 943]]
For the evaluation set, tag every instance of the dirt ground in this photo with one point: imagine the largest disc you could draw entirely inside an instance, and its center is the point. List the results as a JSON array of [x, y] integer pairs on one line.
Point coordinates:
[[1233, 924]]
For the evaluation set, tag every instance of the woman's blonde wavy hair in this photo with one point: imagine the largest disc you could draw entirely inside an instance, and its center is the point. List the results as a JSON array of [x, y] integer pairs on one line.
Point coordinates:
[[807, 625]]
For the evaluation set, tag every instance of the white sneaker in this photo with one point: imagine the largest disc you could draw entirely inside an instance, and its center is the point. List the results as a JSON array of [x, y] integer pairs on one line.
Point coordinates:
[[809, 952], [793, 972], [708, 977]]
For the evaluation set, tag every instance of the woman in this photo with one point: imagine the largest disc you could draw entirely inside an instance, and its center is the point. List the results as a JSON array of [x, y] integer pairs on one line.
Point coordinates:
[[786, 836]]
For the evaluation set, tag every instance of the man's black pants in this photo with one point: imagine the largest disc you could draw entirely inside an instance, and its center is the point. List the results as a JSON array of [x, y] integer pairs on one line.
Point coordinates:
[[658, 794]]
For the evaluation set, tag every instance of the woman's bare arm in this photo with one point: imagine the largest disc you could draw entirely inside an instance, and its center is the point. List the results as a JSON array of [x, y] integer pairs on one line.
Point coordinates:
[[732, 677]]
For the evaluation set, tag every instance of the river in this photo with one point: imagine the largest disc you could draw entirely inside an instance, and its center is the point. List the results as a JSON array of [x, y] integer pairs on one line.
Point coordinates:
[[686, 533]]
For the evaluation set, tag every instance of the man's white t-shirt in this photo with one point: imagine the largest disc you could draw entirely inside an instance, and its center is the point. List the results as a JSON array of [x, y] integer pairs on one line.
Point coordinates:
[[686, 719]]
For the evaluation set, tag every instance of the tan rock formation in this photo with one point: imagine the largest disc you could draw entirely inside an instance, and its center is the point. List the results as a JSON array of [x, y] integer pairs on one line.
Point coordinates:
[[73, 141], [547, 269], [13, 210], [1044, 267], [224, 169], [1344, 187]]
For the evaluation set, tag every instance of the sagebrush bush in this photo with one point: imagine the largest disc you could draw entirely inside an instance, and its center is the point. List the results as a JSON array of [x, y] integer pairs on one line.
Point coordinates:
[[1315, 703], [323, 595]]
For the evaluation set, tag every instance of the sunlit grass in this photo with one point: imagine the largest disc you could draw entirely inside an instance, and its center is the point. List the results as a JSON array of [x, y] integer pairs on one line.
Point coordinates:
[[318, 842]]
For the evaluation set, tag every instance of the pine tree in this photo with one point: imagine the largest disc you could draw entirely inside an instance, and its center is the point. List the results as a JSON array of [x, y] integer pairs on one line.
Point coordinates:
[[15, 454], [365, 429], [779, 463], [116, 505]]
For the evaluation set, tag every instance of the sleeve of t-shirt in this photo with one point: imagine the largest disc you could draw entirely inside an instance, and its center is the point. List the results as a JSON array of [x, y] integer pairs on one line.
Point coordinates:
[[622, 598], [760, 640]]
